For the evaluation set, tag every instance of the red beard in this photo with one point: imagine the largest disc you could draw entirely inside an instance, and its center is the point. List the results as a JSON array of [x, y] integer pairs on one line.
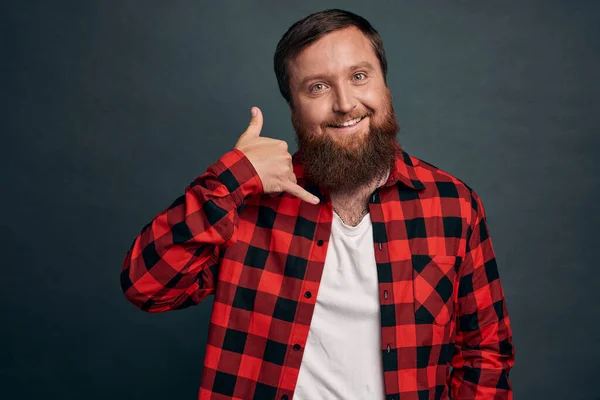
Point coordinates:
[[343, 168]]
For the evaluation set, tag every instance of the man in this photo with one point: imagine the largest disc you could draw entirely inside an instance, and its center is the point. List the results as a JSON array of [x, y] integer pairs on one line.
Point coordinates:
[[351, 270]]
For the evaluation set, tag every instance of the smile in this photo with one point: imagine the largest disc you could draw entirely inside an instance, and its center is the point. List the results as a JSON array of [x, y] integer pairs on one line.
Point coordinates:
[[348, 125]]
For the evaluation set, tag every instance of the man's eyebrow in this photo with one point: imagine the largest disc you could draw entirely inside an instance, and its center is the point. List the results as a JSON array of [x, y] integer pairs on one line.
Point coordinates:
[[362, 65]]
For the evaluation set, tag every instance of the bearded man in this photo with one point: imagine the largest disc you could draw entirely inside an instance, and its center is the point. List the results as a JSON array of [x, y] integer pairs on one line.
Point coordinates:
[[350, 270]]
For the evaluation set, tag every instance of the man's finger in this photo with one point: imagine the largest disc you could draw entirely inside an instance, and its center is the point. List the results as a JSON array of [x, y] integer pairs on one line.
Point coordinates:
[[256, 122], [300, 193]]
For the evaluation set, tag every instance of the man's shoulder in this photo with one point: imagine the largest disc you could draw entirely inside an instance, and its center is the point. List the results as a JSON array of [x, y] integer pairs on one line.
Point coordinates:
[[437, 179]]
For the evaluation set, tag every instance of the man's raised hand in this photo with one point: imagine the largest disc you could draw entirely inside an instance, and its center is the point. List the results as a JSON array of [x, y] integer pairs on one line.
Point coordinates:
[[271, 160]]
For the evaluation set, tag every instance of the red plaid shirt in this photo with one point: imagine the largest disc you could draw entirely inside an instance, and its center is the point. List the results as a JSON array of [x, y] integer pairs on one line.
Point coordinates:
[[262, 256]]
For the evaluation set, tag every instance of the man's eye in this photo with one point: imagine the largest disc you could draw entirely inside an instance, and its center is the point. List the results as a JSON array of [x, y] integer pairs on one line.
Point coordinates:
[[316, 87], [360, 74]]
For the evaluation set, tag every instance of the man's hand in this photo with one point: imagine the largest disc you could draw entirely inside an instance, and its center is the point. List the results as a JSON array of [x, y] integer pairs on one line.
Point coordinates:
[[271, 159]]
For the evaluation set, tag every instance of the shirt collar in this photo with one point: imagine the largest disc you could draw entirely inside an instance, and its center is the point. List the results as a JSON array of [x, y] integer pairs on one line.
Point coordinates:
[[402, 172]]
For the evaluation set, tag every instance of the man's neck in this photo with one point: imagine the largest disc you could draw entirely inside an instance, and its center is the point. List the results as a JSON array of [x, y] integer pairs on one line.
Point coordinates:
[[350, 205]]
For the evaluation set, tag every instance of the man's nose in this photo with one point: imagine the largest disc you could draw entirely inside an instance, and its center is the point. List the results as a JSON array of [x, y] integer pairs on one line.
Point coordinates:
[[344, 101]]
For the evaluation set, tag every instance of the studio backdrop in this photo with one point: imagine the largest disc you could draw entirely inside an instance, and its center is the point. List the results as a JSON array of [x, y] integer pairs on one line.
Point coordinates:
[[110, 108]]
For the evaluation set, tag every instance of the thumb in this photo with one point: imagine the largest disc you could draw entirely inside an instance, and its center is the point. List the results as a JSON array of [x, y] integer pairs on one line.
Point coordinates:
[[256, 122]]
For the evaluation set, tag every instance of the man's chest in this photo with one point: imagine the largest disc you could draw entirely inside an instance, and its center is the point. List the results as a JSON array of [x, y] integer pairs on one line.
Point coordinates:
[[278, 263]]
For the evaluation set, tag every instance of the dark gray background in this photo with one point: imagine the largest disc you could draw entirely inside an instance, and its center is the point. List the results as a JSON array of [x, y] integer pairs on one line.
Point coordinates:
[[110, 108]]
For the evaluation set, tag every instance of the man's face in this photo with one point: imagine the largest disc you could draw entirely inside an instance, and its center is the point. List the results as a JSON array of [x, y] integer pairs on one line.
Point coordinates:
[[333, 81]]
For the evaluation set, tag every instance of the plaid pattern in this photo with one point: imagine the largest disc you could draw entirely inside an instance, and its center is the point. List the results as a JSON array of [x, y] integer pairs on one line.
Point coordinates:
[[261, 256]]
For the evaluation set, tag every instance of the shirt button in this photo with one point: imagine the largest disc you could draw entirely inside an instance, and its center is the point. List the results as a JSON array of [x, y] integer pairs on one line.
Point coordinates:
[[307, 295], [320, 243], [385, 294], [296, 347], [388, 348]]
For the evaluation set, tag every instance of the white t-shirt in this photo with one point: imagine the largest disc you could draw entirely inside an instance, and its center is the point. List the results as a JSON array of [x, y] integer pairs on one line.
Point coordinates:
[[342, 358]]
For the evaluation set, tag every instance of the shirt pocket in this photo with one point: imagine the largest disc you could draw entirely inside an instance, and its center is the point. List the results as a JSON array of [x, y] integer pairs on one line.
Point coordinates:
[[434, 281]]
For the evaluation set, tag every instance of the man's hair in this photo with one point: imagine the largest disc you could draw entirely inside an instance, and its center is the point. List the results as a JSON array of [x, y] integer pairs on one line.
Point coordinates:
[[312, 28]]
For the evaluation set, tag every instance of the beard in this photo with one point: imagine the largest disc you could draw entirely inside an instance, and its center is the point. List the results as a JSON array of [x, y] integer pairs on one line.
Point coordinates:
[[346, 164]]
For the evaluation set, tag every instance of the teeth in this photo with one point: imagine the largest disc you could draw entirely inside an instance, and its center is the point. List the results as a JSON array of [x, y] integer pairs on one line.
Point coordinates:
[[350, 123]]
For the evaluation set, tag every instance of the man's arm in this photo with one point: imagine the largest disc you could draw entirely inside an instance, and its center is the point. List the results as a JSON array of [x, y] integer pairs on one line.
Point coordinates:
[[484, 351], [173, 262]]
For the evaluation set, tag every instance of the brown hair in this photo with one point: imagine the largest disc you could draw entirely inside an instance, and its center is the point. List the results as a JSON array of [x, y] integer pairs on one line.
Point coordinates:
[[310, 29]]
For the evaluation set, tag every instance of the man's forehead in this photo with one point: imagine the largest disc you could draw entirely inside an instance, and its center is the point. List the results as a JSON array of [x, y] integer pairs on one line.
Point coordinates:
[[337, 51]]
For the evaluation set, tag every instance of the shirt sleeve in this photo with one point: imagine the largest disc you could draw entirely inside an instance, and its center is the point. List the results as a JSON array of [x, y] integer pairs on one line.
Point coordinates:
[[173, 262], [484, 352]]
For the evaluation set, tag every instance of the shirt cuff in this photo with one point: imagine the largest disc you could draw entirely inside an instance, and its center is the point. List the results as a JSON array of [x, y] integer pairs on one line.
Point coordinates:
[[238, 175]]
